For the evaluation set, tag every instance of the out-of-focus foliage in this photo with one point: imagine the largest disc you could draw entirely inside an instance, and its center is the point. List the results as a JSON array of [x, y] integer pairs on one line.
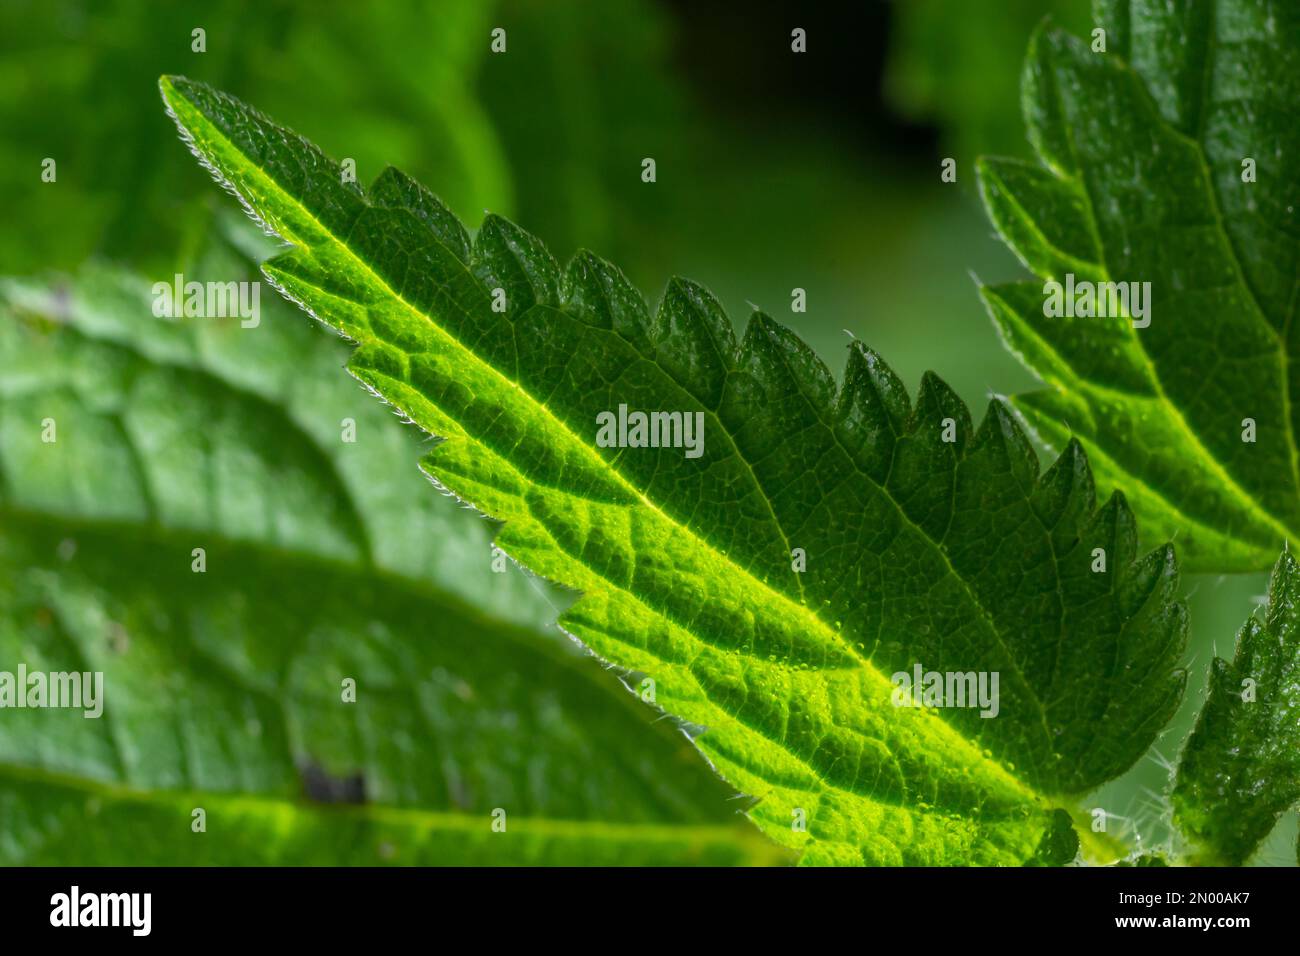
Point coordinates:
[[324, 559], [378, 82], [953, 63], [583, 95], [1240, 769]]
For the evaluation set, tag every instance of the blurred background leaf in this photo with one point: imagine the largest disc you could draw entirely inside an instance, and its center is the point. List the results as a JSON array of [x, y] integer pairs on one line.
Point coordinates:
[[381, 83], [948, 65], [224, 689]]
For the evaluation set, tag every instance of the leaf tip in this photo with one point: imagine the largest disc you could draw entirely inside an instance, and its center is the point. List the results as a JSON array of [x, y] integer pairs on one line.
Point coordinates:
[[1286, 566], [1284, 584], [172, 85]]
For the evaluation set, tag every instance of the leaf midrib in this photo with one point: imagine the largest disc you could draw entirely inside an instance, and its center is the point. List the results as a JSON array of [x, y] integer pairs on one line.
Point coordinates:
[[1279, 336], [1100, 453], [722, 353], [1284, 357], [763, 731], [303, 565], [415, 817]]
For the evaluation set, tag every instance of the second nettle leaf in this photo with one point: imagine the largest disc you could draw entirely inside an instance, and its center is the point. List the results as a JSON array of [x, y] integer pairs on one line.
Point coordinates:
[[928, 543], [1167, 159]]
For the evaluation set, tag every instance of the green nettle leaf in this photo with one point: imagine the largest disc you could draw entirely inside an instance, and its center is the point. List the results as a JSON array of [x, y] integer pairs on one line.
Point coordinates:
[[781, 563], [1240, 769], [1168, 160], [131, 441]]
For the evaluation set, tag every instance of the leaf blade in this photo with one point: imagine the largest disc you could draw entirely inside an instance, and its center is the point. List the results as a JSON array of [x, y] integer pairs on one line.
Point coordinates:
[[685, 567]]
